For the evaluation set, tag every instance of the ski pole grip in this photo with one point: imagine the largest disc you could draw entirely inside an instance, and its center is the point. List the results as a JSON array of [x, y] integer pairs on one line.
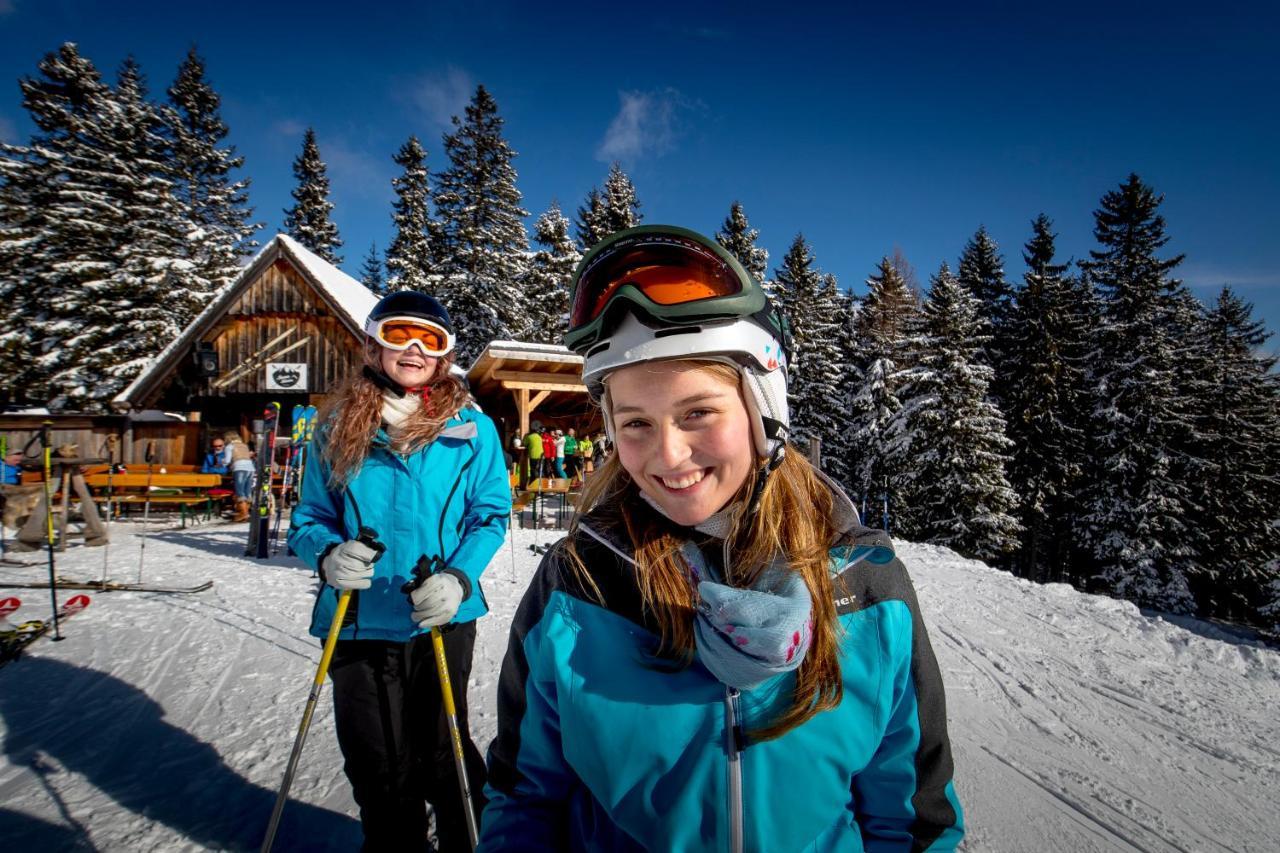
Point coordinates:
[[369, 538], [423, 569]]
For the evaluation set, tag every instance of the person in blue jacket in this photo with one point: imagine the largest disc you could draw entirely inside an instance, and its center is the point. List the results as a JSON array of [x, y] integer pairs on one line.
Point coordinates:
[[719, 656], [400, 451], [215, 461]]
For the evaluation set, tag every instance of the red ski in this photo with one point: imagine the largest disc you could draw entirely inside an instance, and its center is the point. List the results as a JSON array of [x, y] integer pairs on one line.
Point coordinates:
[[14, 643]]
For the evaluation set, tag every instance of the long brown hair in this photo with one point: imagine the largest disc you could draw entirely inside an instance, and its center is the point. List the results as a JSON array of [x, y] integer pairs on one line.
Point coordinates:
[[351, 417], [794, 519]]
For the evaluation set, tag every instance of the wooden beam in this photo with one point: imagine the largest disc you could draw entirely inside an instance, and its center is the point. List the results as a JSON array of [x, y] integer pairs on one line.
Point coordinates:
[[533, 404], [566, 387], [535, 376]]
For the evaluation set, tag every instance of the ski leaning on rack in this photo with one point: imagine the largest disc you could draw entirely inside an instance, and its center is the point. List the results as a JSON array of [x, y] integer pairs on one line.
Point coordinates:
[[99, 586], [260, 514], [13, 643]]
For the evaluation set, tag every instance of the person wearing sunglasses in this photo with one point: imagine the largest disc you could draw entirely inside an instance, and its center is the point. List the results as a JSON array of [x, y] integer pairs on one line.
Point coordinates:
[[399, 450], [215, 461], [719, 655]]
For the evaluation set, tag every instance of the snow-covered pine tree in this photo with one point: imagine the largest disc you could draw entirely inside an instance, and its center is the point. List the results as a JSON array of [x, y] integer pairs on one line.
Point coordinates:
[[308, 220], [837, 455], [483, 243], [607, 211], [1138, 509], [549, 277], [59, 225], [811, 302], [1238, 421], [981, 270], [949, 438], [409, 255], [739, 239], [216, 203], [371, 272], [145, 289], [1046, 382], [886, 323]]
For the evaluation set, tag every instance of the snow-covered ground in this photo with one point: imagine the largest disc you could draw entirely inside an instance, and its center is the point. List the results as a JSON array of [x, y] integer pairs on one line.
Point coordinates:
[[163, 722]]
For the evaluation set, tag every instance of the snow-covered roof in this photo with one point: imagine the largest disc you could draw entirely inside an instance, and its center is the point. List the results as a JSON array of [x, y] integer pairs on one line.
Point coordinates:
[[350, 299], [529, 352], [348, 295]]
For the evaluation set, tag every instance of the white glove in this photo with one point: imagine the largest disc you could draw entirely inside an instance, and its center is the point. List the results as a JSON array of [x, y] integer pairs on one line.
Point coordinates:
[[349, 566], [436, 601]]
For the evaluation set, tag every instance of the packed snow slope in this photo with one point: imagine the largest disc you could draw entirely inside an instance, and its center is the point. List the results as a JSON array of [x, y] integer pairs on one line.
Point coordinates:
[[163, 722]]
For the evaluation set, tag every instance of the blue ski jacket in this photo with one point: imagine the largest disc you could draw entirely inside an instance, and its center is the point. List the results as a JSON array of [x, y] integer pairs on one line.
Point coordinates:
[[449, 499], [601, 746]]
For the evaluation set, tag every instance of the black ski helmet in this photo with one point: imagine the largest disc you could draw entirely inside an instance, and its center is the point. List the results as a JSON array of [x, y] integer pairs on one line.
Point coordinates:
[[409, 303]]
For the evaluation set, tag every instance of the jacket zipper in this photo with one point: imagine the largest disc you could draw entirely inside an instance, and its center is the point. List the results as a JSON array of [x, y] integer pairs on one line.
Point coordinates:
[[733, 737]]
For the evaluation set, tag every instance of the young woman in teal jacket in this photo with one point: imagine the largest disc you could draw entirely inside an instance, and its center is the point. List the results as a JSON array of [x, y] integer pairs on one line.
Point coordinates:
[[719, 656], [400, 452]]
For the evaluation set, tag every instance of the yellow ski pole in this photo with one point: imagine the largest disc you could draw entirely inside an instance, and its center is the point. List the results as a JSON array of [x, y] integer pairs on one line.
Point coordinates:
[[455, 733], [370, 538], [424, 569]]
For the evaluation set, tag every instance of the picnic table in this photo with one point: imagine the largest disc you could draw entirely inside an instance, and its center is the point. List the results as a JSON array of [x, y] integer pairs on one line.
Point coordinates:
[[190, 492]]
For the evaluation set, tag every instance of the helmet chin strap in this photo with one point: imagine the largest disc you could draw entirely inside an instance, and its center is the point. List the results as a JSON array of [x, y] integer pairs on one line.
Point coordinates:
[[383, 381], [762, 477]]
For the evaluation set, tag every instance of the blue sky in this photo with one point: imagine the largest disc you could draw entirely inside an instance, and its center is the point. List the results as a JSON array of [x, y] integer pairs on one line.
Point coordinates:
[[863, 128]]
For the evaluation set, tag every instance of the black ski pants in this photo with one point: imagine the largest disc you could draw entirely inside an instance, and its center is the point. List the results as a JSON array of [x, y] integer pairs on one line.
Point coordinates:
[[394, 736]]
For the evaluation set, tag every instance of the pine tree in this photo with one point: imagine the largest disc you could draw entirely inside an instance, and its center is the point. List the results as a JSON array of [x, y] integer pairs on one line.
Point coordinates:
[[409, 256], [1139, 509], [371, 272], [1239, 425], [216, 204], [59, 227], [887, 320], [550, 276], [811, 303], [1049, 342], [483, 244], [950, 438], [981, 270], [308, 220], [155, 289], [607, 211], [739, 239]]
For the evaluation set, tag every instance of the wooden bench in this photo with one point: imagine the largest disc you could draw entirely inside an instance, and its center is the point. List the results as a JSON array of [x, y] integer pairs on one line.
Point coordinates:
[[187, 491], [189, 505]]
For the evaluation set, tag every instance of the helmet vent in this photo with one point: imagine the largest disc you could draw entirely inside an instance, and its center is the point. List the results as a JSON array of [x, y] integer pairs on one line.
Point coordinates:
[[678, 330]]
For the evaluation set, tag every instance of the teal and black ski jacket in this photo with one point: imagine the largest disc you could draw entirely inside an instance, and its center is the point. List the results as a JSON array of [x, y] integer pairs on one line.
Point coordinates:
[[450, 499], [601, 746]]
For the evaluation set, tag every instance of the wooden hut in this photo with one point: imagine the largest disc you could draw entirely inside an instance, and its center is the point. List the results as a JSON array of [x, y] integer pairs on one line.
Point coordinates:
[[288, 329], [516, 383]]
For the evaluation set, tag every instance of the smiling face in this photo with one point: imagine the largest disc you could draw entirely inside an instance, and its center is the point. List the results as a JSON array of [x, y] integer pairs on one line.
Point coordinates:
[[410, 368], [683, 434]]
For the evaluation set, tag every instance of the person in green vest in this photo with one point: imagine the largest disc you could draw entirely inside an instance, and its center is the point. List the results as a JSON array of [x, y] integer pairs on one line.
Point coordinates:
[[533, 444], [571, 454]]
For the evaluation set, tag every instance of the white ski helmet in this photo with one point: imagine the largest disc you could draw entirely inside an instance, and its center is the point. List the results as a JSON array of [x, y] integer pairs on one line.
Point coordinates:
[[659, 292]]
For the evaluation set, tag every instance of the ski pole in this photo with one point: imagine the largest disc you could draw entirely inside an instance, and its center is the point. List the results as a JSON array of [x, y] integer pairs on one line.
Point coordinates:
[[146, 504], [424, 569], [48, 518], [369, 537], [111, 467]]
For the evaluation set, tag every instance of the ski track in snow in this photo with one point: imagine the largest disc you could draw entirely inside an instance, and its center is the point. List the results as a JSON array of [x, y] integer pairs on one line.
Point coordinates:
[[164, 722]]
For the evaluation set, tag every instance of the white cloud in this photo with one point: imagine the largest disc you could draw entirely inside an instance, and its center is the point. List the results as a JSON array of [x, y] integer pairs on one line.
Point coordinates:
[[353, 171], [286, 127], [442, 95], [1213, 277], [647, 125]]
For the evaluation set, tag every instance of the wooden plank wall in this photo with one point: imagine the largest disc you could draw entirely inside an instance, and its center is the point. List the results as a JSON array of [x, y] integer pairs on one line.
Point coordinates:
[[277, 302], [177, 442]]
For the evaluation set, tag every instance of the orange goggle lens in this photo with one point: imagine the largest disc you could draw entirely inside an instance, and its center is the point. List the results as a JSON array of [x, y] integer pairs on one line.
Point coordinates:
[[665, 274], [399, 334]]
